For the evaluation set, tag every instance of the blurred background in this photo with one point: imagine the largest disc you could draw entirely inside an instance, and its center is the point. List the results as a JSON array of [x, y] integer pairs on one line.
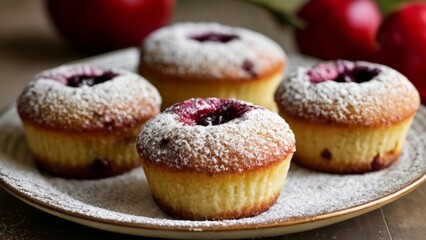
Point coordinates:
[[35, 37], [29, 42], [382, 30]]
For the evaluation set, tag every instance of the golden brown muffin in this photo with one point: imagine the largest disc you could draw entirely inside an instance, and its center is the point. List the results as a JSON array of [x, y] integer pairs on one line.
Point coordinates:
[[215, 158], [211, 60], [82, 121], [348, 117]]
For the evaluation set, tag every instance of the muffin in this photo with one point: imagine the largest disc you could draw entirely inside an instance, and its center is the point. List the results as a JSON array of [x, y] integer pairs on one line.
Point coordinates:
[[215, 158], [189, 60], [348, 117], [82, 121]]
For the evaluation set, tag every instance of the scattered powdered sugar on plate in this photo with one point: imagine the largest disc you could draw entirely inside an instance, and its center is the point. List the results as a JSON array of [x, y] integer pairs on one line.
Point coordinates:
[[126, 200]]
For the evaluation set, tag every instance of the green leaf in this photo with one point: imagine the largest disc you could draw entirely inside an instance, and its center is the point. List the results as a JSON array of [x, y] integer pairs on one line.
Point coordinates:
[[387, 6], [283, 11]]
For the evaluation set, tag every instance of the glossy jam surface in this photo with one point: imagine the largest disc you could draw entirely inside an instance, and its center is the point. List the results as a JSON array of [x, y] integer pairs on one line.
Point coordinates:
[[214, 37], [80, 80], [210, 111], [342, 71]]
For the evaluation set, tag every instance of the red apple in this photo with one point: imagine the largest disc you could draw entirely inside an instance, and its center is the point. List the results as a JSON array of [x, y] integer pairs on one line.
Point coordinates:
[[339, 29], [102, 25], [402, 40]]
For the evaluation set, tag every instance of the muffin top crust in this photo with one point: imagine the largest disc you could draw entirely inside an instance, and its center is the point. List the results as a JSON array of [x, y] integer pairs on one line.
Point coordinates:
[[215, 136], [348, 93], [80, 98], [210, 52]]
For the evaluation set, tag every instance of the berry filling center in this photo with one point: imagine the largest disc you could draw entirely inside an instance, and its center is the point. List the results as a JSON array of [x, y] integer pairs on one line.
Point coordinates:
[[215, 37], [210, 112], [342, 71], [80, 80]]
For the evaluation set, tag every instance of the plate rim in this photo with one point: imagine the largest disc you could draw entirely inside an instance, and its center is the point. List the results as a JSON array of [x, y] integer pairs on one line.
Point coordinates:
[[338, 215], [278, 226], [311, 222]]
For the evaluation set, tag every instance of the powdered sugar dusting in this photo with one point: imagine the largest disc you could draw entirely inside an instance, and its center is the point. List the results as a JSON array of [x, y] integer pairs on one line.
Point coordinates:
[[257, 138], [126, 199], [120, 102], [172, 51], [369, 103]]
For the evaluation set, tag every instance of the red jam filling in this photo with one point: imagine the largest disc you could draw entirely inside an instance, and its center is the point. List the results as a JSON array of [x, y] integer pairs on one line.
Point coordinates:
[[81, 77], [210, 111], [342, 71], [89, 80], [248, 67], [214, 37]]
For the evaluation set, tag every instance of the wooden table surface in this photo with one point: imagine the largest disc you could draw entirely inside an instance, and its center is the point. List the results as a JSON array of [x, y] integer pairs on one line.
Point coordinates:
[[29, 44]]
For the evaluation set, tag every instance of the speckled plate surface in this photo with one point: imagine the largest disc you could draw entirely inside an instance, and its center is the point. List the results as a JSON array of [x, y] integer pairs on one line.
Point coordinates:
[[123, 203]]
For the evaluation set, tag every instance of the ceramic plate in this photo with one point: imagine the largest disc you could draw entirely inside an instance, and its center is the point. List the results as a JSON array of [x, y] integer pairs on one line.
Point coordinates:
[[123, 204]]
